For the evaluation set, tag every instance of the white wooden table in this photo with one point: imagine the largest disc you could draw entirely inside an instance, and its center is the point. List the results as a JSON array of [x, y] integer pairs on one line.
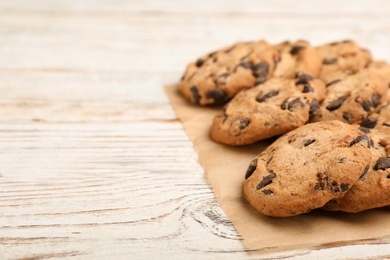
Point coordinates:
[[93, 161]]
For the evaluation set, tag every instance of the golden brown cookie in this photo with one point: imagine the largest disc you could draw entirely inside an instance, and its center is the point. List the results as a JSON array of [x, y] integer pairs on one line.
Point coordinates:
[[372, 190], [345, 56], [352, 98], [306, 168], [218, 76], [270, 109]]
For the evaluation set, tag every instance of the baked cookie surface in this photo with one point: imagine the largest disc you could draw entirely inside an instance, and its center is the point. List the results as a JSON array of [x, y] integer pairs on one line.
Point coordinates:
[[270, 109], [346, 56], [297, 57], [372, 190], [218, 76], [352, 98], [306, 168]]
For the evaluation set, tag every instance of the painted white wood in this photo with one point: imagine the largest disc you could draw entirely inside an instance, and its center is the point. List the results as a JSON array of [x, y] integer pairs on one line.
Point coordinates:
[[93, 161]]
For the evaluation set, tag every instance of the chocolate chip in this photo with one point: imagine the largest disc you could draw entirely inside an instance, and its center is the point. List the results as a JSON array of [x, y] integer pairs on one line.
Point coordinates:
[[267, 192], [342, 160], [266, 181], [335, 104], [261, 70], [369, 122], [251, 168], [375, 99], [195, 94], [294, 103], [383, 163], [303, 78], [218, 95], [364, 129], [364, 172], [242, 122], [334, 43], [262, 98], [295, 49], [260, 81], [314, 107], [386, 124], [309, 142], [347, 116], [344, 187], [245, 65], [307, 88], [359, 139], [199, 62], [284, 104], [329, 61], [322, 181], [367, 105], [388, 176], [332, 82]]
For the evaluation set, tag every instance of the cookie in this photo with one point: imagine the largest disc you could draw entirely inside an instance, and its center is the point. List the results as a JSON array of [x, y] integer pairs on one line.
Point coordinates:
[[345, 56], [270, 109], [306, 168], [353, 98], [218, 76], [372, 190], [297, 57]]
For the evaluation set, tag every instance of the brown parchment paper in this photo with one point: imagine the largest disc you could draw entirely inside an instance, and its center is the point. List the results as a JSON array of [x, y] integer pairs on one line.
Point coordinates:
[[225, 169]]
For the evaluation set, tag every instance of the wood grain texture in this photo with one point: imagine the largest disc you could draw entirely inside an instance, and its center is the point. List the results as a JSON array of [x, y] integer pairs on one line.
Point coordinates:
[[93, 161]]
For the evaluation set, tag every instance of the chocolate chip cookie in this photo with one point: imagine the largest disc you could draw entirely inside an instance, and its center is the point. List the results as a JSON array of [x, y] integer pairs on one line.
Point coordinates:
[[306, 168], [297, 57], [270, 109], [218, 76], [372, 190], [345, 56], [352, 98]]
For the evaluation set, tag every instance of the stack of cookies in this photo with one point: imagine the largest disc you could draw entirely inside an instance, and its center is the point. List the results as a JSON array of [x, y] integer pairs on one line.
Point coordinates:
[[328, 105]]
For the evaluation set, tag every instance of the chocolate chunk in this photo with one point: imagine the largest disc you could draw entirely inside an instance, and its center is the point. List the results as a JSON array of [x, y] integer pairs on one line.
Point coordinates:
[[359, 139], [347, 116], [388, 176], [218, 95], [245, 65], [369, 122], [267, 192], [386, 124], [367, 105], [261, 70], [344, 187], [364, 172], [199, 62], [335, 104], [383, 163], [284, 104], [375, 99], [329, 61], [195, 94], [365, 130], [309, 142], [294, 103], [251, 168], [332, 82], [307, 88], [314, 107], [262, 98], [322, 181], [266, 181], [303, 78], [242, 122], [295, 49]]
